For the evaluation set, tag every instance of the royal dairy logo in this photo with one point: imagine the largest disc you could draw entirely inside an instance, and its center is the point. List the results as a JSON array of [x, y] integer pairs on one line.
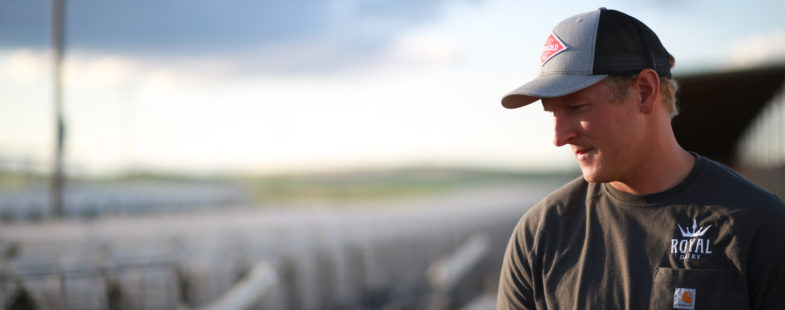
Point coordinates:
[[696, 232], [552, 47], [692, 245]]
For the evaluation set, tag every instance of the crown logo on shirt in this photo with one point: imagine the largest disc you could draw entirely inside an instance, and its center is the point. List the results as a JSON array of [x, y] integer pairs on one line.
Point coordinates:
[[695, 232]]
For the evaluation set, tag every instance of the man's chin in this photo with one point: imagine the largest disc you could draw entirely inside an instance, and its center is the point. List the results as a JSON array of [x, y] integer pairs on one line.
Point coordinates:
[[592, 176], [589, 179]]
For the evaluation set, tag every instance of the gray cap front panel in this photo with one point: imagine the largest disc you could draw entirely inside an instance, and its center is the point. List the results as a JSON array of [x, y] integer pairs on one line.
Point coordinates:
[[579, 34]]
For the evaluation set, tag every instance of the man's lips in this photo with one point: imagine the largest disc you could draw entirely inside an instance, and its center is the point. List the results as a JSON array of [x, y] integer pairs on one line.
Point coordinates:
[[583, 152]]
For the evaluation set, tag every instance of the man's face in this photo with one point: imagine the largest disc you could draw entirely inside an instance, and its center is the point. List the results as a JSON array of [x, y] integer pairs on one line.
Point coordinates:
[[604, 136]]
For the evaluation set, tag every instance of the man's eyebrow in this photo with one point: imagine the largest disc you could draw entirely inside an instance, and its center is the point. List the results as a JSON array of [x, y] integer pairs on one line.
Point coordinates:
[[551, 107]]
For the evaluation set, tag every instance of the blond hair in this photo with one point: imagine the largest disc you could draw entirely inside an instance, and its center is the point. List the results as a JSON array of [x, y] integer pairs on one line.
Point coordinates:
[[668, 88]]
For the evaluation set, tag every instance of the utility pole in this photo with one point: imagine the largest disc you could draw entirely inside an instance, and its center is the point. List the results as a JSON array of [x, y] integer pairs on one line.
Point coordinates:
[[58, 40]]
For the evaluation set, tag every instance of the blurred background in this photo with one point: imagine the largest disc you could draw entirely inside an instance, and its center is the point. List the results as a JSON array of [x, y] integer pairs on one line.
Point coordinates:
[[333, 154]]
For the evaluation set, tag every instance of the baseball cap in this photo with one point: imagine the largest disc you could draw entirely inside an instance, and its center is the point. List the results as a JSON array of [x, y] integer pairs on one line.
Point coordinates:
[[585, 49]]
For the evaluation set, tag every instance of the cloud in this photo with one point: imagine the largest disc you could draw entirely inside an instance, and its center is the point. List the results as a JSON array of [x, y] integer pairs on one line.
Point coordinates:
[[759, 49], [427, 47], [26, 66], [280, 36]]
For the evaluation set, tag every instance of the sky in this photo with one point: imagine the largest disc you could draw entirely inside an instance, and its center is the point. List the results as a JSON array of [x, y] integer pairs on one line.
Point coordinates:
[[276, 86]]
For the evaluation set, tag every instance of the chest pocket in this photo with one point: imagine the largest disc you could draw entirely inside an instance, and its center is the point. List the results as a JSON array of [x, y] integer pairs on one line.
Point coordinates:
[[687, 289]]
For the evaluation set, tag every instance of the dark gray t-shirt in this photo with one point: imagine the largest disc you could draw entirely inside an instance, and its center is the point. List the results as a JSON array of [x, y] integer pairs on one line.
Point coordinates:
[[715, 241]]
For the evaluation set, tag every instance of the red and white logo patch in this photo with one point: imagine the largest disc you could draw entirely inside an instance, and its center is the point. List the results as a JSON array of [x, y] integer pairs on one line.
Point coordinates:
[[552, 47]]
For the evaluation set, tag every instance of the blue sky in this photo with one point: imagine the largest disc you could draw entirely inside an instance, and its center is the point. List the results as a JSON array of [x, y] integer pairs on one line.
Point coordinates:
[[280, 86]]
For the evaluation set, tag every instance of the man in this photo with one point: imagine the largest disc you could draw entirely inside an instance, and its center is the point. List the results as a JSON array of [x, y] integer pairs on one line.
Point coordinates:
[[649, 225]]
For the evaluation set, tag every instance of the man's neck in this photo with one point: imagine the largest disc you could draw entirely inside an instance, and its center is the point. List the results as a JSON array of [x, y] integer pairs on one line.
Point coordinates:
[[663, 172]]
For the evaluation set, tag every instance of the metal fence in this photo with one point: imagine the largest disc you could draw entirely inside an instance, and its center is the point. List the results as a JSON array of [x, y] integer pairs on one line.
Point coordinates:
[[150, 285], [435, 253]]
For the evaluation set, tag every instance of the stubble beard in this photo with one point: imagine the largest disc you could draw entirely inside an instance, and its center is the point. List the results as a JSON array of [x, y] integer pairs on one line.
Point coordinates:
[[596, 172]]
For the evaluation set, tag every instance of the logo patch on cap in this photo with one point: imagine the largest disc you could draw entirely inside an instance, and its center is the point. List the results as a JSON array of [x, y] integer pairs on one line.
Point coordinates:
[[552, 47]]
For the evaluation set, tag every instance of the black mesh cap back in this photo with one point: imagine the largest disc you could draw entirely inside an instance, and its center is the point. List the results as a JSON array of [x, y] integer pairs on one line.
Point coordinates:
[[625, 46]]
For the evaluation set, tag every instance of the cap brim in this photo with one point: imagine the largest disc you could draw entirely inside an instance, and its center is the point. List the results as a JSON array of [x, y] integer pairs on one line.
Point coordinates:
[[548, 85]]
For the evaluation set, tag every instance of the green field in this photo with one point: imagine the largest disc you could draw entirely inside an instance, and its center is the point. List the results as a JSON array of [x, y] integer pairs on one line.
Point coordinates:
[[385, 184], [326, 186]]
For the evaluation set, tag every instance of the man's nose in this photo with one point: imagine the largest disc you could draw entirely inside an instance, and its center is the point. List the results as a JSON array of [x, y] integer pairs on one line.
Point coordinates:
[[564, 131]]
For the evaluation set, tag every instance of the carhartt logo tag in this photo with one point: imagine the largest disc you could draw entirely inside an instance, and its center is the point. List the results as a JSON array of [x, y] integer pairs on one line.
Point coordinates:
[[552, 47], [684, 298]]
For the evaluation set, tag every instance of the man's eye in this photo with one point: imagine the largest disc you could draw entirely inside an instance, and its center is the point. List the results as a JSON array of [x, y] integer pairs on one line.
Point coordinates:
[[576, 107]]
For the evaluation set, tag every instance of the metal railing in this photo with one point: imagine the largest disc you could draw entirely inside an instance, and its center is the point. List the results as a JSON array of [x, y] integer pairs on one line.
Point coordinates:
[[148, 285]]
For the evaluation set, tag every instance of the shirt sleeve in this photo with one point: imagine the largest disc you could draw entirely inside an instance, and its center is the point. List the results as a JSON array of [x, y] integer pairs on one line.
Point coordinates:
[[766, 264], [515, 283]]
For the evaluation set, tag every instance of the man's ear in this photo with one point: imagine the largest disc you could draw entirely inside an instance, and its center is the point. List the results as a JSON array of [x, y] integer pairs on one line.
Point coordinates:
[[648, 87]]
